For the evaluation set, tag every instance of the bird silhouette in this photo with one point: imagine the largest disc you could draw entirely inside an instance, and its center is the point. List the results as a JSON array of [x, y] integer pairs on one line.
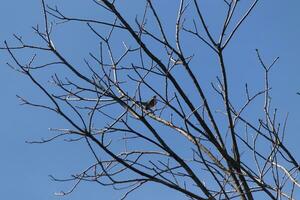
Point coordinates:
[[150, 104]]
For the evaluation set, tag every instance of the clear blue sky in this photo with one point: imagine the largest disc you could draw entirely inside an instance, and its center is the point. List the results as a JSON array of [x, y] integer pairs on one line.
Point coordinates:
[[273, 27]]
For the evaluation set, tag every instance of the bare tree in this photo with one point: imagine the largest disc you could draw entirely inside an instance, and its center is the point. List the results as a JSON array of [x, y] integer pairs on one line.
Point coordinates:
[[128, 104]]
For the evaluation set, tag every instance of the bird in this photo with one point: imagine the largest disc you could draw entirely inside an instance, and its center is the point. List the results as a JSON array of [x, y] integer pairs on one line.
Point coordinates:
[[150, 103]]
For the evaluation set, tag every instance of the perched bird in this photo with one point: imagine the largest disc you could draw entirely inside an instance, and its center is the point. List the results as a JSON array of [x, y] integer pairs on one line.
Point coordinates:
[[151, 103]]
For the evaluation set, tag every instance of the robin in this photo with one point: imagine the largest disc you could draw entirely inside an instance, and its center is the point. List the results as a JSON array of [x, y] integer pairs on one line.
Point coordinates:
[[151, 103]]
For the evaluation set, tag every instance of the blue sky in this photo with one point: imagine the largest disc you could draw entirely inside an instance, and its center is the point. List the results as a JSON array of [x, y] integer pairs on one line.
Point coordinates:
[[273, 28]]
